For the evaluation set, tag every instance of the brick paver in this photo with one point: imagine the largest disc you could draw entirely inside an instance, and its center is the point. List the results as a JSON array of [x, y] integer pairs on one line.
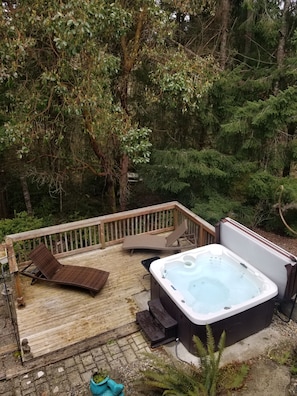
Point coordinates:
[[68, 377], [72, 375]]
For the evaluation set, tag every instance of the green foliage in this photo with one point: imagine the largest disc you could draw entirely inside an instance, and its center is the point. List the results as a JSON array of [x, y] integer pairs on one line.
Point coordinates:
[[217, 207], [95, 85], [99, 376], [171, 377], [262, 186], [137, 145], [289, 191], [204, 180], [21, 222], [286, 200], [192, 7], [181, 82], [205, 170], [285, 354], [256, 126], [209, 360], [232, 376], [71, 72], [263, 192]]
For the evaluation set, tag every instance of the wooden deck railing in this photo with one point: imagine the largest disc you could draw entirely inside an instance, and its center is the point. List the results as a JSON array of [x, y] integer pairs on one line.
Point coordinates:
[[101, 232]]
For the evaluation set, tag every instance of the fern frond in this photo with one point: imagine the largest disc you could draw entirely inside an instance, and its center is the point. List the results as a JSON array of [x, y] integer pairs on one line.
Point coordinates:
[[210, 359], [174, 378], [171, 393], [199, 390], [210, 342], [201, 350], [221, 345]]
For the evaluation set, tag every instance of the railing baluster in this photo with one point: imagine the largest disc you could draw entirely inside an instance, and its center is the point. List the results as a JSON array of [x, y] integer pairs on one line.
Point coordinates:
[[66, 241], [87, 234]]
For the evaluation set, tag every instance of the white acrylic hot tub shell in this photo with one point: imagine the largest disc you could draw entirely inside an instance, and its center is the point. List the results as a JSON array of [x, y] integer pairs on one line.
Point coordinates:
[[268, 288]]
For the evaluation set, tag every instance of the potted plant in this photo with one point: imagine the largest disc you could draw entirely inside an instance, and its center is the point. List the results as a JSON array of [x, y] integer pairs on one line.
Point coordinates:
[[98, 382], [101, 384]]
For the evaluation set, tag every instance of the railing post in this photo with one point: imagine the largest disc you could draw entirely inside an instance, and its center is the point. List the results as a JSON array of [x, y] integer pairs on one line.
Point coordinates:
[[201, 235], [13, 269], [102, 234]]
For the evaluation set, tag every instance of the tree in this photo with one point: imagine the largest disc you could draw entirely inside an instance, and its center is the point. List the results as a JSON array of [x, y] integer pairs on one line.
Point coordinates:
[[289, 130], [59, 73], [94, 88], [225, 19], [72, 70], [263, 125]]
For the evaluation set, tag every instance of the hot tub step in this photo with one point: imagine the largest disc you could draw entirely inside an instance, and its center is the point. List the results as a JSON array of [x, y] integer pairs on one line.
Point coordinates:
[[162, 316], [152, 329]]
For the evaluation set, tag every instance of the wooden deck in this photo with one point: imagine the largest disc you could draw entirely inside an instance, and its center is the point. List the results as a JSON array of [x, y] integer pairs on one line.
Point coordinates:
[[57, 317]]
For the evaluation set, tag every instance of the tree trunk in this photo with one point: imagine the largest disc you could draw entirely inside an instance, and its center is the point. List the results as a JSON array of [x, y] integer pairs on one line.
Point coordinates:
[[281, 84], [248, 32], [3, 205], [291, 130], [225, 15], [124, 190], [111, 196], [129, 50], [280, 56], [26, 195], [104, 160]]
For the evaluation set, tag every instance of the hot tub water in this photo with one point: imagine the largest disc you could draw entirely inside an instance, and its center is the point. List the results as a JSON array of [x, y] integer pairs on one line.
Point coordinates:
[[211, 283]]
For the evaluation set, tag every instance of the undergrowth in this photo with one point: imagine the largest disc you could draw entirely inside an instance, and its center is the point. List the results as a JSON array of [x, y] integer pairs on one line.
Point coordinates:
[[285, 355], [172, 377]]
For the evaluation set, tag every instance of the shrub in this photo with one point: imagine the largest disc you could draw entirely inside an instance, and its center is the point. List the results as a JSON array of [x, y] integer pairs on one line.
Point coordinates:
[[21, 222], [172, 377]]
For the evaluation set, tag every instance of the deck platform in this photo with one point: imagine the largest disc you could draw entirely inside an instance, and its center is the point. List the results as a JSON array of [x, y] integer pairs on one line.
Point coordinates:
[[56, 317]]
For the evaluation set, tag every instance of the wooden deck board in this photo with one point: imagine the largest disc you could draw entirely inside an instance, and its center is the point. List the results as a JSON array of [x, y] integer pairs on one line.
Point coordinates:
[[56, 317]]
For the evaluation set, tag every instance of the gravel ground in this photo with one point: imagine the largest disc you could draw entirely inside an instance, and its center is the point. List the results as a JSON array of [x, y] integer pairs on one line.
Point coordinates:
[[287, 243], [267, 377]]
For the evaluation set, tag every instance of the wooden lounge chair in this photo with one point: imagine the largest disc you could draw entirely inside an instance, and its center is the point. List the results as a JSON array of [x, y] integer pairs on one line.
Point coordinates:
[[156, 242], [48, 269]]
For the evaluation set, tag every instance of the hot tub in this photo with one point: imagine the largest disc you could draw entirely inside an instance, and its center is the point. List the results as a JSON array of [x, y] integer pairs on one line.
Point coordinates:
[[212, 285]]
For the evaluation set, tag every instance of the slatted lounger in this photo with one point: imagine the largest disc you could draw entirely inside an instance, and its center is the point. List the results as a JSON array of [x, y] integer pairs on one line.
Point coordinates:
[[49, 269]]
